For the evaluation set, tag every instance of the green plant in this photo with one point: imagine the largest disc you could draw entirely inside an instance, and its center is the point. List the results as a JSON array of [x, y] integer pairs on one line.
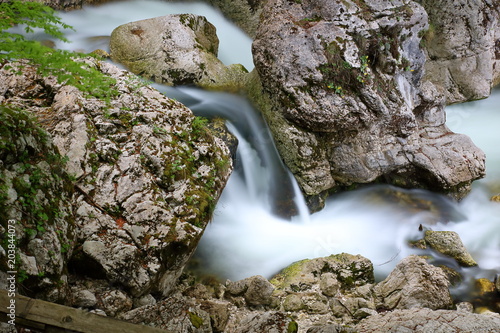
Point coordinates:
[[15, 47]]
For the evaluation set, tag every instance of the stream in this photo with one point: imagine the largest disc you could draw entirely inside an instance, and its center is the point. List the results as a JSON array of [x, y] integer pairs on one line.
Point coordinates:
[[247, 238]]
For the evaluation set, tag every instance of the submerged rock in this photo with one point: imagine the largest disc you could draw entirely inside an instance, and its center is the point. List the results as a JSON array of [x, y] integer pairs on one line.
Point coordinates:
[[148, 175], [340, 85], [173, 49]]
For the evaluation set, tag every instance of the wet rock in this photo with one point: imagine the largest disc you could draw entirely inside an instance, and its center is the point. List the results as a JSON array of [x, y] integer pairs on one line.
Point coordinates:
[[414, 284], [449, 244], [460, 44], [427, 320], [341, 88], [173, 49]]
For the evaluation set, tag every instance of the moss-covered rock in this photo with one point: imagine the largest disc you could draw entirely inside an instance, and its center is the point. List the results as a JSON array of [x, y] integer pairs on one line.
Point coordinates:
[[449, 244], [148, 175], [35, 200]]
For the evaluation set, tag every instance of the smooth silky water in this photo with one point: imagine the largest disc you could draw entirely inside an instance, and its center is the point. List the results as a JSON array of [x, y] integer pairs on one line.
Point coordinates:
[[246, 237]]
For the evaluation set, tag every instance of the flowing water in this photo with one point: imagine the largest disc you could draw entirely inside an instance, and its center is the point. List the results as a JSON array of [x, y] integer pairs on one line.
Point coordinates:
[[246, 237]]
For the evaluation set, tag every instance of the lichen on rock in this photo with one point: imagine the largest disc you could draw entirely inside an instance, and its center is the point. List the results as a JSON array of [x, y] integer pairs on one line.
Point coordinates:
[[148, 175], [346, 100]]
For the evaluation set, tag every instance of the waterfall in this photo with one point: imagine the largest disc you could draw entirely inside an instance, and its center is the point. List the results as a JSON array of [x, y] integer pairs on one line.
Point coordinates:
[[249, 233]]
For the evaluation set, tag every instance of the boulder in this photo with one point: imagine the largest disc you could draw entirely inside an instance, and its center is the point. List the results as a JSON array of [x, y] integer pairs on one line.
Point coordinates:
[[38, 227], [414, 284], [449, 244], [340, 85], [461, 46], [256, 290], [146, 177], [427, 320], [173, 49]]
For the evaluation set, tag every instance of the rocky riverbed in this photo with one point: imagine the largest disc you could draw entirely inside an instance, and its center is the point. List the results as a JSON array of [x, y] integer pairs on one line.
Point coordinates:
[[112, 197]]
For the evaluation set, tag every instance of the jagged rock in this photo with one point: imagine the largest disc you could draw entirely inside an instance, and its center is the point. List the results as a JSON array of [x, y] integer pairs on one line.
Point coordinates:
[[174, 314], [414, 284], [449, 244], [340, 85], [461, 48], [148, 177], [173, 49], [427, 320], [35, 197]]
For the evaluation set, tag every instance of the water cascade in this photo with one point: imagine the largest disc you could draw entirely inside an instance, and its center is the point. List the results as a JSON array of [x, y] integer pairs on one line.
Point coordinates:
[[247, 236]]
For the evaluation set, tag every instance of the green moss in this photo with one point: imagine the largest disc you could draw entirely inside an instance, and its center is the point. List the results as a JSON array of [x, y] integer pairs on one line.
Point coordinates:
[[196, 320], [293, 327]]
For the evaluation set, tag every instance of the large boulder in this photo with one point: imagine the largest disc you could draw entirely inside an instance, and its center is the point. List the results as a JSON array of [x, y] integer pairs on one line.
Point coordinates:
[[461, 43], [147, 176], [173, 49], [340, 85]]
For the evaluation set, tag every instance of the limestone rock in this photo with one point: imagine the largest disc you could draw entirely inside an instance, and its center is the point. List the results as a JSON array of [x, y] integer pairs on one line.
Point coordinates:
[[427, 320], [449, 244], [35, 197], [173, 49], [256, 290], [349, 271], [461, 48], [173, 314], [148, 175], [272, 322], [414, 284], [333, 328], [340, 85]]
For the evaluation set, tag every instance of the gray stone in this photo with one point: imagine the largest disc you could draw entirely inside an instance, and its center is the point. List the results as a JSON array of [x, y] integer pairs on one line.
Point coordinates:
[[414, 284], [427, 320], [135, 226], [84, 299], [460, 44], [173, 49], [449, 244], [339, 118], [349, 270]]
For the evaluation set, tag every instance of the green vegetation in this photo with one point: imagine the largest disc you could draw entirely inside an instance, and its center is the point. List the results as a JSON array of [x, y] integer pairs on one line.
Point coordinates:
[[14, 47], [340, 76], [39, 176]]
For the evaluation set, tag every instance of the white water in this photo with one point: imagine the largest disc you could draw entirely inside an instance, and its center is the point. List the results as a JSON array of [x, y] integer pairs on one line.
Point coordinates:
[[245, 238]]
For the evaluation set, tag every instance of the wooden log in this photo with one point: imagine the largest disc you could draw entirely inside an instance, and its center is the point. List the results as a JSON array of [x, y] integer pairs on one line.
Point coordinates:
[[51, 317]]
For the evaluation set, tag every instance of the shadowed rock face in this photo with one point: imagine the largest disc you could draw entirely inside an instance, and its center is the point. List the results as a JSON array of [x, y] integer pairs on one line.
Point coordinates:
[[346, 101]]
